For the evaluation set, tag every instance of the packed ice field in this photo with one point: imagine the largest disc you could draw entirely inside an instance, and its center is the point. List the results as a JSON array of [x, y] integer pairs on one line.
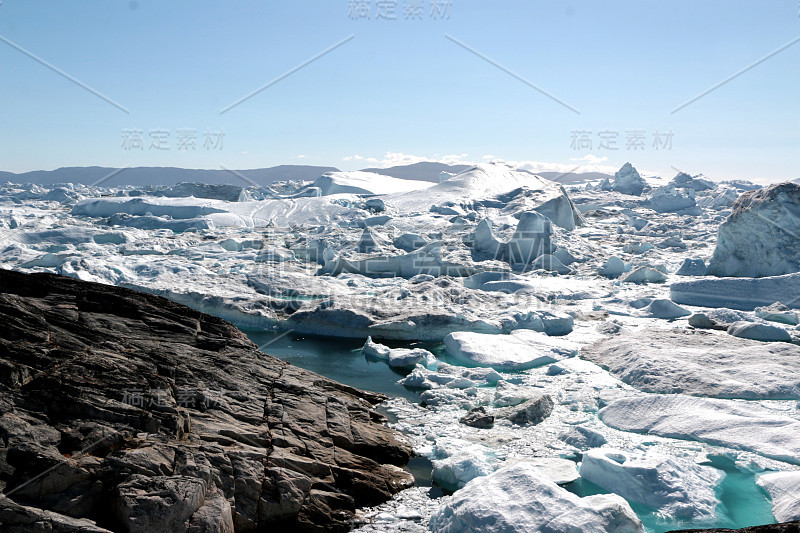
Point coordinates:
[[621, 355]]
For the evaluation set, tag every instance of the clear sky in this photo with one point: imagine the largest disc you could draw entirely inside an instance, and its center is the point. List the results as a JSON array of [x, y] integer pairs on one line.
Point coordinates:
[[427, 84]]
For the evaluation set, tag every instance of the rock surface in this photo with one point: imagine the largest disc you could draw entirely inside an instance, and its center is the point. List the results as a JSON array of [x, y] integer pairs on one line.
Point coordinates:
[[124, 411]]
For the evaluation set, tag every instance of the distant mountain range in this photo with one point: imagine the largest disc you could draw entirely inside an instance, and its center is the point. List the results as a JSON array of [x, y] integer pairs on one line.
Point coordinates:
[[144, 176]]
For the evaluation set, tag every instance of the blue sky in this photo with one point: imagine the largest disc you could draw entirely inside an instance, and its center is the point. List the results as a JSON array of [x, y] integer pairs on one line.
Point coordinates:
[[400, 90]]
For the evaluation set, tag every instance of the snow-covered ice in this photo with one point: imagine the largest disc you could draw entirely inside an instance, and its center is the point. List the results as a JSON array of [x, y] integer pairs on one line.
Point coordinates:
[[526, 318], [762, 235], [519, 498], [727, 423], [676, 487], [520, 350], [784, 491], [701, 364]]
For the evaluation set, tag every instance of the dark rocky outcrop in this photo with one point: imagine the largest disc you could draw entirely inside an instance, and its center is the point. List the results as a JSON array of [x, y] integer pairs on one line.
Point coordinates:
[[124, 411]]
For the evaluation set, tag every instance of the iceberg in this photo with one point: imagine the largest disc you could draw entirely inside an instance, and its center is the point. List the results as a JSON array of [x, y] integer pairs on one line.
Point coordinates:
[[675, 487], [737, 425], [784, 491], [495, 185], [359, 182], [628, 181], [519, 350], [520, 498], [762, 235]]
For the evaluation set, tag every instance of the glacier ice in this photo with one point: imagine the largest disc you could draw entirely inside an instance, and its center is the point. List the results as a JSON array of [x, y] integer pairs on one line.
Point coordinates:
[[736, 425], [517, 351], [738, 293], [762, 235], [784, 491], [701, 364], [520, 498], [676, 487]]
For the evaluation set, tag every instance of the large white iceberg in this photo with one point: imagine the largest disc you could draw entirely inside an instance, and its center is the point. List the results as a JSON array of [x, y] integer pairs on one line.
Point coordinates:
[[519, 350], [784, 491], [360, 182], [495, 185], [262, 213], [676, 487], [762, 235], [738, 425], [519, 498], [738, 293], [700, 363]]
